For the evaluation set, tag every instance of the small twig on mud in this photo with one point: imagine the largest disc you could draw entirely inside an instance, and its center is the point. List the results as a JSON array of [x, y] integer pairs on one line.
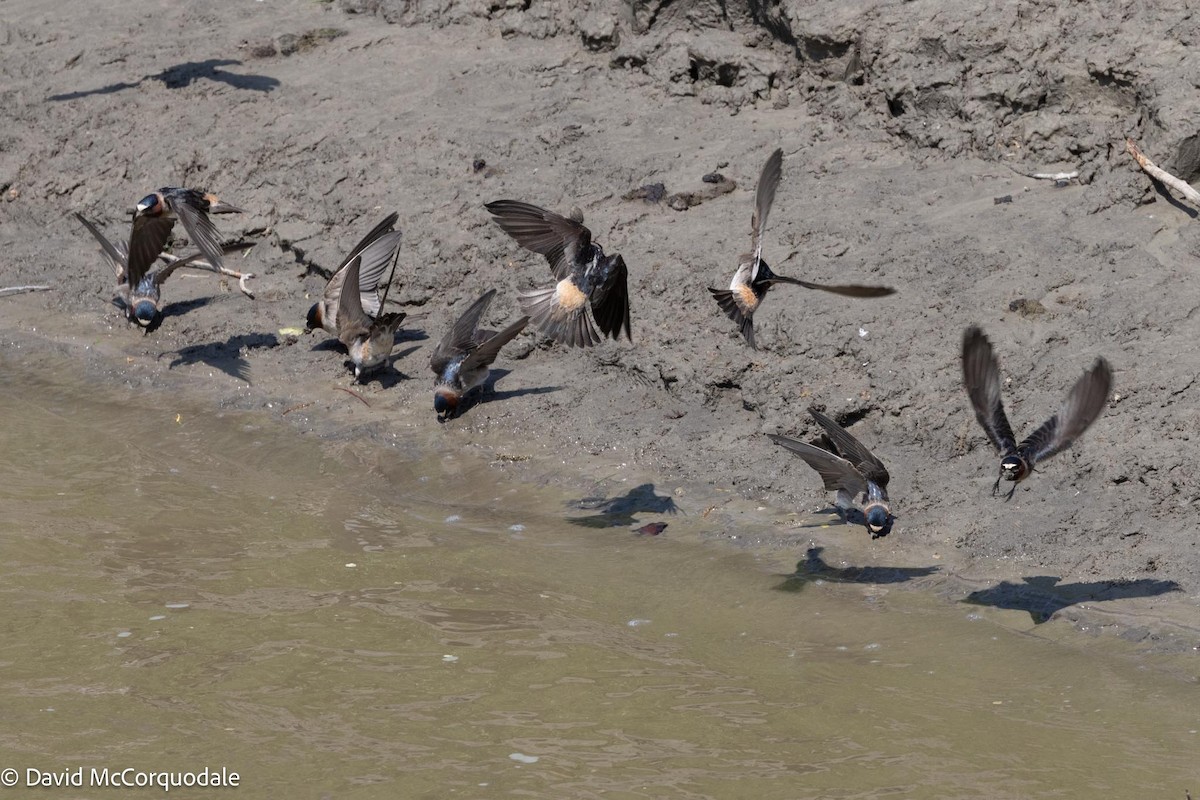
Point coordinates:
[[23, 289], [353, 394], [1046, 176], [290, 409], [1160, 174], [229, 273]]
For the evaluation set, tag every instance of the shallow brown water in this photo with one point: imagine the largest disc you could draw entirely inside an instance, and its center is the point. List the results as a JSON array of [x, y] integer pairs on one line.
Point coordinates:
[[182, 589]]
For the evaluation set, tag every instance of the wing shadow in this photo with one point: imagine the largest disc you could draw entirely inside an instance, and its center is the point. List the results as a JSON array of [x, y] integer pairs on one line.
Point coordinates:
[[814, 567], [1042, 596], [617, 512], [226, 356], [185, 74]]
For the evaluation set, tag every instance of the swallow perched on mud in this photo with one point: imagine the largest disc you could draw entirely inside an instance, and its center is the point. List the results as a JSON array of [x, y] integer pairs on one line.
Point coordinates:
[[155, 216], [753, 277], [376, 249], [851, 469], [369, 341], [584, 276], [463, 357], [141, 292], [981, 375]]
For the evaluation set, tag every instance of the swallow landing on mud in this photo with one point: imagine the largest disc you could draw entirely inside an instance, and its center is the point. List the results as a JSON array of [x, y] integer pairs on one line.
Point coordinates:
[[141, 293], [368, 340], [753, 277], [584, 276], [981, 375], [155, 216], [376, 249], [851, 469], [463, 357]]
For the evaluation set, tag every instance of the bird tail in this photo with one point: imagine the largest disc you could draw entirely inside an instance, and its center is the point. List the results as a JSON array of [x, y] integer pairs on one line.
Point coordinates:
[[725, 300], [572, 328]]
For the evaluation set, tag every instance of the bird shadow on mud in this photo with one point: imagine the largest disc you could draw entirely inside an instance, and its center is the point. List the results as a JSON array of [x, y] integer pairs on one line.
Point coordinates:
[[185, 74], [617, 512], [225, 356], [491, 394], [178, 308], [814, 567], [487, 393], [1166, 195], [1042, 596], [387, 376]]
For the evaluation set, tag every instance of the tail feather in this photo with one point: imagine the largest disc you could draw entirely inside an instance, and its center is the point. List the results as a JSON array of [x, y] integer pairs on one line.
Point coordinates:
[[724, 298], [573, 329]]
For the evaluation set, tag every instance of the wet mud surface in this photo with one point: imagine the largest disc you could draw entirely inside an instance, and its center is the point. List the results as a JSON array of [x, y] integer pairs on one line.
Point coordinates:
[[904, 128]]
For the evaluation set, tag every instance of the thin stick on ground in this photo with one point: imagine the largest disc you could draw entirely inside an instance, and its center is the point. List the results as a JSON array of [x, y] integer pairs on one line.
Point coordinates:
[[353, 393], [1160, 174], [23, 289], [1046, 176], [230, 273]]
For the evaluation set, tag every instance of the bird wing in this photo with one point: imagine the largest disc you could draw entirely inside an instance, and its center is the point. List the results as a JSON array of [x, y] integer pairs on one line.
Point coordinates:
[[486, 353], [835, 471], [333, 289], [386, 225], [562, 241], [867, 464], [116, 256], [1082, 407], [610, 304], [764, 196], [460, 338], [147, 238], [981, 375], [200, 229], [352, 320]]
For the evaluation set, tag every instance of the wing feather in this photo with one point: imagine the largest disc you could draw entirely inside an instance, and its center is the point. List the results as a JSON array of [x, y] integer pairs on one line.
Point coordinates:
[[1083, 405], [835, 471], [981, 376]]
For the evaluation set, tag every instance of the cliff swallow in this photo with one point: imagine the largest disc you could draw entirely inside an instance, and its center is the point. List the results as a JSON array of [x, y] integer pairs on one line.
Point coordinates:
[[141, 293], [376, 249], [462, 358], [155, 216], [851, 469], [981, 375], [584, 276], [368, 340], [753, 277]]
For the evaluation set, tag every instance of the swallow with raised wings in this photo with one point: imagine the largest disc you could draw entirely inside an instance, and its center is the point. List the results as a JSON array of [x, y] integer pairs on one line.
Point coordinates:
[[981, 375], [369, 341], [463, 358], [850, 469], [585, 277], [141, 293], [375, 250], [753, 278], [154, 218]]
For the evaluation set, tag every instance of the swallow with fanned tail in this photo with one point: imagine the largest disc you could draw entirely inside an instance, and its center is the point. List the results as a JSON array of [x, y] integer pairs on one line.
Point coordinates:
[[850, 469], [463, 358], [981, 375], [140, 292], [369, 341], [375, 250], [584, 276], [154, 218], [753, 278]]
